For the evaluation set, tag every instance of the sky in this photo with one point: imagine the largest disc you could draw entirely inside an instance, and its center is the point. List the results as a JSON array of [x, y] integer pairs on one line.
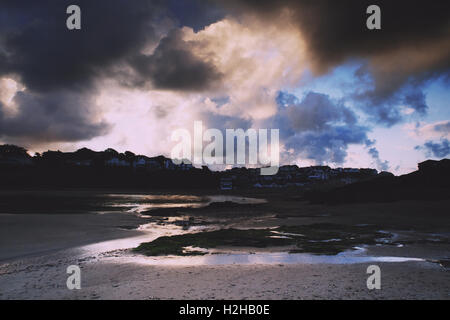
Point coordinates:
[[340, 94]]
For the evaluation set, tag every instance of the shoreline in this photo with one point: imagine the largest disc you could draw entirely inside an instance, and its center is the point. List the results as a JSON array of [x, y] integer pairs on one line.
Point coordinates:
[[106, 279], [20, 237], [98, 244]]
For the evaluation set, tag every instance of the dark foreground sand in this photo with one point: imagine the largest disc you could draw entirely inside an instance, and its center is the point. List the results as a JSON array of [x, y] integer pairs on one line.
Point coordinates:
[[36, 249], [23, 235], [46, 278]]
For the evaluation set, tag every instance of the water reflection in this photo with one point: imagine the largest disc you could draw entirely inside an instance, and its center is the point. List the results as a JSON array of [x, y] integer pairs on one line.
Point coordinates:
[[150, 231], [348, 257], [135, 203]]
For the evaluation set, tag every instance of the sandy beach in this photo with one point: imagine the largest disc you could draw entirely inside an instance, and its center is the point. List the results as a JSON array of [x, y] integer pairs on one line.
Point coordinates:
[[111, 279], [36, 249], [23, 235]]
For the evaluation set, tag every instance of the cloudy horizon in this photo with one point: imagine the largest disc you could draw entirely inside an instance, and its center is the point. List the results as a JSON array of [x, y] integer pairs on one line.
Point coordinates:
[[341, 95]]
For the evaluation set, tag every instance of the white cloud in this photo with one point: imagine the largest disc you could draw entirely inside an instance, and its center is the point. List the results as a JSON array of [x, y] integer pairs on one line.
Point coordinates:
[[427, 131]]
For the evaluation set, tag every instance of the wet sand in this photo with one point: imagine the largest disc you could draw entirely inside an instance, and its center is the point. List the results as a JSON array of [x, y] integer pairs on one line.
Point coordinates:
[[109, 279], [35, 250], [23, 235]]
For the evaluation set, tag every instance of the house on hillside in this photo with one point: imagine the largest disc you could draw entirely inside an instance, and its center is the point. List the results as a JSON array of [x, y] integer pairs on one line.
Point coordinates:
[[143, 162], [112, 158], [83, 157], [185, 166], [154, 164], [318, 174], [81, 163], [351, 170], [139, 162], [226, 183], [116, 162], [168, 164], [288, 169]]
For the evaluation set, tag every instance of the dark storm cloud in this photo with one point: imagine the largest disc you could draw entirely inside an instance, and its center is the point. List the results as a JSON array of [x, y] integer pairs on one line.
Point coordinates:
[[46, 55], [317, 112], [59, 67], [336, 30], [439, 149], [317, 127], [412, 46], [329, 145], [416, 100], [196, 14], [51, 117], [223, 122], [385, 107], [173, 66]]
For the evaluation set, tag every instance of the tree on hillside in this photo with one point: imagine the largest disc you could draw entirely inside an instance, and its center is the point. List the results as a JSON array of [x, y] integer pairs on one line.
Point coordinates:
[[10, 149]]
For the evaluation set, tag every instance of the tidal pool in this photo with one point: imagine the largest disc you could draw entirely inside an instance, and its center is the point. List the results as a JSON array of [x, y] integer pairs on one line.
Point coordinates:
[[347, 257], [135, 203]]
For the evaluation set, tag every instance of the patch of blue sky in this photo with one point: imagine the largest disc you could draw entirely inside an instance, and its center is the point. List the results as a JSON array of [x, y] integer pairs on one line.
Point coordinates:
[[438, 100], [339, 83], [220, 101]]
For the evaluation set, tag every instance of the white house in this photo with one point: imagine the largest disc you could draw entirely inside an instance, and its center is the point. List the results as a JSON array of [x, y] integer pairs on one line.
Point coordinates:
[[226, 184], [116, 162]]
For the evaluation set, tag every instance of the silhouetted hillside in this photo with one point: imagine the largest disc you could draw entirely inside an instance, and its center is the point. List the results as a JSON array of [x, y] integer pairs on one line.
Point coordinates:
[[88, 168], [109, 168], [430, 182]]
